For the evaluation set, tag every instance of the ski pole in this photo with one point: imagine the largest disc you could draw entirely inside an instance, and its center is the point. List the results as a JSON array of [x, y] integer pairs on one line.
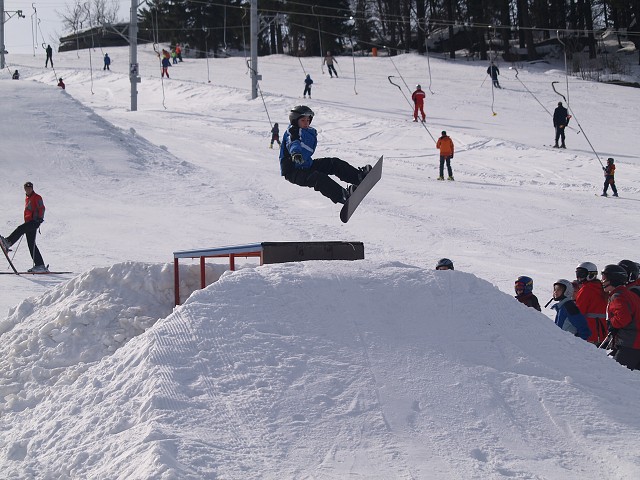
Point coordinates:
[[547, 304], [605, 343]]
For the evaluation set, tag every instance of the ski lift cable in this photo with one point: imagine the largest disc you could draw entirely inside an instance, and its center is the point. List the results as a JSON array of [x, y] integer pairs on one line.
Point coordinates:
[[573, 115], [264, 103], [389, 77]]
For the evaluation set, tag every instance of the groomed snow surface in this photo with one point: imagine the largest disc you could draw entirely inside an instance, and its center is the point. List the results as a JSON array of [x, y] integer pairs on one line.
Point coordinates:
[[379, 369]]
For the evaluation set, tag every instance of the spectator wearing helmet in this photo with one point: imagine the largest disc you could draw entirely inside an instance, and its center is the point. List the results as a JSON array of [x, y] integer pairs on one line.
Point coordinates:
[[444, 264], [445, 144], [623, 317], [591, 300], [524, 292], [298, 167], [568, 315], [418, 97], [633, 271], [609, 179]]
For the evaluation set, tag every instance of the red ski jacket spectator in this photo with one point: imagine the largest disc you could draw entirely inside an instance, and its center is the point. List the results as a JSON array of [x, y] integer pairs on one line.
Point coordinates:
[[623, 313], [33, 208], [592, 302]]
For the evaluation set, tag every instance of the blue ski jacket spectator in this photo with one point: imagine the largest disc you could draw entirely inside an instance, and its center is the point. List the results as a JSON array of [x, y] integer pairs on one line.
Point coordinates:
[[569, 318]]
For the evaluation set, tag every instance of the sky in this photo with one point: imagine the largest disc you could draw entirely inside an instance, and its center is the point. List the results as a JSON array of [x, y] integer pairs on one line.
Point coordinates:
[[381, 368], [41, 25]]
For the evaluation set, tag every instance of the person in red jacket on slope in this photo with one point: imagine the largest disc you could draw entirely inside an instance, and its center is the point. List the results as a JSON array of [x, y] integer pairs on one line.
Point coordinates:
[[33, 217], [418, 103]]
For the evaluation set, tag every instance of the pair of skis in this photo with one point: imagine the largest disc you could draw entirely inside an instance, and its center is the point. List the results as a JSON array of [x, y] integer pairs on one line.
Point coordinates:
[[16, 272]]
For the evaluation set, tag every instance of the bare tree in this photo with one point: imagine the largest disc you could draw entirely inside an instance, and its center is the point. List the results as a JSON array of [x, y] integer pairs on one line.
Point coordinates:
[[82, 15]]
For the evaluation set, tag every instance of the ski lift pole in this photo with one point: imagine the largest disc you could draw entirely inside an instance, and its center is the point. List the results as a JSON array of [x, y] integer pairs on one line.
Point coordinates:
[[566, 75], [389, 77], [305, 72], [573, 115]]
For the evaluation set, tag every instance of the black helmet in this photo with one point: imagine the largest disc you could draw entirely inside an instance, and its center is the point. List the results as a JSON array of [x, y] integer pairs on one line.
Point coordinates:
[[524, 283], [300, 111], [444, 264], [614, 275], [610, 160], [631, 268]]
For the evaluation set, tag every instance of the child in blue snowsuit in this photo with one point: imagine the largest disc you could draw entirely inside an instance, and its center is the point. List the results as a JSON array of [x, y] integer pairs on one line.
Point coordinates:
[[568, 316], [307, 86]]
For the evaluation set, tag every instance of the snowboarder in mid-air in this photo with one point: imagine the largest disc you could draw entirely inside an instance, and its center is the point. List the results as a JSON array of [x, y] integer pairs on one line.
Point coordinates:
[[33, 217], [297, 165]]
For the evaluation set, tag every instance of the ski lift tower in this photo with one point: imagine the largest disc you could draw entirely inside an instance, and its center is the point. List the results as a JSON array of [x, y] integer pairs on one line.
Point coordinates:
[[254, 50], [2, 22], [134, 71]]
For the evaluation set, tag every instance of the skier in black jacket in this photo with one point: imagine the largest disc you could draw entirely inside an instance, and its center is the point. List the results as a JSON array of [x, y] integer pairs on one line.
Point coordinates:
[[561, 119]]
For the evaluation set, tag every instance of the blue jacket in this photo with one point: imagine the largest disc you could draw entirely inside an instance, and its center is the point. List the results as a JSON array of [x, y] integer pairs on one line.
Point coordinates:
[[297, 140], [569, 318]]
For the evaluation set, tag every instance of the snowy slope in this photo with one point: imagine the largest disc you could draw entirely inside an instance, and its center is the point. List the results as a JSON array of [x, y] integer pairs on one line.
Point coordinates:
[[376, 369]]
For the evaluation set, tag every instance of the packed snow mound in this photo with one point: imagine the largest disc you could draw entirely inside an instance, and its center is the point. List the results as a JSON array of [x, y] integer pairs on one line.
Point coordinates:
[[55, 337], [321, 370]]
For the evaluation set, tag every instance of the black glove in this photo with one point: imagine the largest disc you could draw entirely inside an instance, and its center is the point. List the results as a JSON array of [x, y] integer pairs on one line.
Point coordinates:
[[604, 169], [297, 158], [613, 330]]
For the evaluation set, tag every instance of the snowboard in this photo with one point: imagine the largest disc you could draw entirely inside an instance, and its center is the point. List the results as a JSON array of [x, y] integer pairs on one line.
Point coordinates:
[[363, 189], [6, 254]]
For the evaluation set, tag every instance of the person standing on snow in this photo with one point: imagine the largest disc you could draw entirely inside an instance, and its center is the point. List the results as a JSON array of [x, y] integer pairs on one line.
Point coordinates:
[[609, 172], [418, 97], [591, 300], [16, 75], [49, 51], [165, 64], [623, 317], [307, 86], [298, 167], [33, 218], [561, 119], [493, 71], [107, 62], [568, 315], [328, 59], [275, 134], [445, 144], [524, 292], [61, 84]]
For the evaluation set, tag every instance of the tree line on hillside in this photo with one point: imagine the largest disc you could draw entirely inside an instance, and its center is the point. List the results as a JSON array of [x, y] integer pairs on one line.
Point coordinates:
[[514, 28]]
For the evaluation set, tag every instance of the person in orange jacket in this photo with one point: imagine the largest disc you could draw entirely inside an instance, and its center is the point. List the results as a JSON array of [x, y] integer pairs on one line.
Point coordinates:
[[33, 217], [445, 145], [418, 103], [609, 179], [592, 301], [623, 317]]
